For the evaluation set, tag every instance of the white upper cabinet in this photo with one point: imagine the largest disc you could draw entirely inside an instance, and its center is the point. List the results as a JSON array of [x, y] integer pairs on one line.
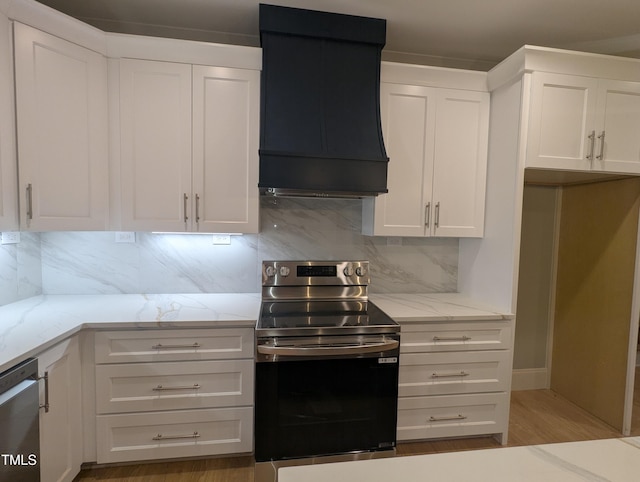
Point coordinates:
[[408, 125], [436, 140], [155, 145], [61, 104], [460, 165], [225, 149], [583, 123], [618, 127], [8, 166], [188, 147]]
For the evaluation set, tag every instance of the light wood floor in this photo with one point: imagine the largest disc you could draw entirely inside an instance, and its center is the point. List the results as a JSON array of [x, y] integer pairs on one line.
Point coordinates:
[[536, 417]]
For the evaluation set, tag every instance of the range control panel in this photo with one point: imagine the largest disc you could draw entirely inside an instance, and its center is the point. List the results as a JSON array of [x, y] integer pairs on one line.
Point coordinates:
[[315, 273]]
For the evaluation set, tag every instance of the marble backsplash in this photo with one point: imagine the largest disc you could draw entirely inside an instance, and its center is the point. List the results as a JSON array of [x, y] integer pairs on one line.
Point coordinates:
[[93, 263]]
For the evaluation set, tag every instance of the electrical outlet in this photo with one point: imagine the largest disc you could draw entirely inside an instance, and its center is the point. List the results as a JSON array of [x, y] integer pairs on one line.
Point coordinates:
[[221, 239], [12, 237], [125, 237]]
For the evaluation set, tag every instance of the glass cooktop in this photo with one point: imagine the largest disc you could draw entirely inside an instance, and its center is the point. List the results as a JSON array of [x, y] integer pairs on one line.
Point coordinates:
[[282, 318]]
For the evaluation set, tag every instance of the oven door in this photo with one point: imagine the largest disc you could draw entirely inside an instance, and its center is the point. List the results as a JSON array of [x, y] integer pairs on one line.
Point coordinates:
[[311, 401]]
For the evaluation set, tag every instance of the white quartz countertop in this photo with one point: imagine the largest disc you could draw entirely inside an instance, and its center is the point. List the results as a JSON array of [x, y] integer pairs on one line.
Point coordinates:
[[30, 326], [610, 460], [436, 307]]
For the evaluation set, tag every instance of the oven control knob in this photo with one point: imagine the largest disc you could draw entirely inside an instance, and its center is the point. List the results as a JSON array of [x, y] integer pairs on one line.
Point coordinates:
[[270, 271], [361, 271], [285, 270], [348, 270]]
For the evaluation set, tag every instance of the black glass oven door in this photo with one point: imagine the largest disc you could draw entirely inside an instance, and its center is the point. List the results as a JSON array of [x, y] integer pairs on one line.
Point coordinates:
[[317, 407]]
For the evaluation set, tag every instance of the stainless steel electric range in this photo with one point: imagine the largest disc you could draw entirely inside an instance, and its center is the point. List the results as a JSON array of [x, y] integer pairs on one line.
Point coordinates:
[[326, 367]]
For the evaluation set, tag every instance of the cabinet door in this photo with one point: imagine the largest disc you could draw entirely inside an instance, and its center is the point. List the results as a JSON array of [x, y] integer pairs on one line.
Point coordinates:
[[61, 427], [226, 116], [8, 171], [155, 157], [408, 125], [460, 163], [561, 119], [618, 125], [61, 100]]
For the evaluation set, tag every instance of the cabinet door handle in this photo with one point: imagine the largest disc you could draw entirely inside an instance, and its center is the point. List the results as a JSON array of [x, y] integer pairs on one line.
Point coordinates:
[[160, 388], [174, 437], [445, 419], [185, 200], [45, 377], [592, 142], [601, 155], [160, 346], [29, 202], [450, 375], [427, 214], [452, 338], [197, 208], [437, 220]]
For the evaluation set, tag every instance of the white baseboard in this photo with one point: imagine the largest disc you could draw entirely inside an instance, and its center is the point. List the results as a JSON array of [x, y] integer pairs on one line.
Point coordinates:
[[529, 379]]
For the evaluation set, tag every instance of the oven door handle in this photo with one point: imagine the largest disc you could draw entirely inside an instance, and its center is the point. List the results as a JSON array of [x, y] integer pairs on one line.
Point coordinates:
[[329, 350]]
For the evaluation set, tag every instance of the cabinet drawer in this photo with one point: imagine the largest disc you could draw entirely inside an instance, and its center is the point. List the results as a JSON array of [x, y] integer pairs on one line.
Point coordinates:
[[436, 337], [456, 372], [173, 345], [159, 435], [141, 387], [452, 416]]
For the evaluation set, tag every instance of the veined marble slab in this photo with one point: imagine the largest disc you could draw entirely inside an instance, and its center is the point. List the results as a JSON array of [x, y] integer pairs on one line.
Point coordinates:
[[611, 460], [30, 326], [436, 307]]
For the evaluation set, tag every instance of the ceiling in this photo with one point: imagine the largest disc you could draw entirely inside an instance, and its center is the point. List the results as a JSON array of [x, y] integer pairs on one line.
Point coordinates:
[[474, 34]]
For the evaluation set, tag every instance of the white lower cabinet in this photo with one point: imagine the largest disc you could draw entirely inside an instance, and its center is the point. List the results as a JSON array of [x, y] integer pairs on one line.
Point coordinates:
[[454, 379], [61, 446], [173, 393], [452, 416], [185, 433]]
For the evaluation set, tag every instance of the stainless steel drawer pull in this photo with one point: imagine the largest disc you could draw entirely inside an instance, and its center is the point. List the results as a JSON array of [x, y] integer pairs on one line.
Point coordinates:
[[160, 346], [45, 377], [185, 200], [601, 155], [175, 437], [427, 214], [592, 142], [29, 202], [160, 388], [449, 375], [197, 208], [447, 419], [452, 338]]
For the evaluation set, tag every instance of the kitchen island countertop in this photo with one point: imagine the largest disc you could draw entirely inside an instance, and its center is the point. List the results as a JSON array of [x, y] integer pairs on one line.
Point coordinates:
[[613, 460], [30, 326]]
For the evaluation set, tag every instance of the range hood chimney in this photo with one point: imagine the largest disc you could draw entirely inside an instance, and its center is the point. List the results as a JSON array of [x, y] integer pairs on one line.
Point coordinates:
[[320, 132]]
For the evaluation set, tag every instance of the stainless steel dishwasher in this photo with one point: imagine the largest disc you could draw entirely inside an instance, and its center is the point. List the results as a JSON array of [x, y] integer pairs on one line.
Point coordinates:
[[19, 423]]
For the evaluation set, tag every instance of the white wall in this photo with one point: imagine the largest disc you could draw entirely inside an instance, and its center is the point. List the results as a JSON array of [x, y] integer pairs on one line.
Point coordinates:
[[487, 266], [537, 258]]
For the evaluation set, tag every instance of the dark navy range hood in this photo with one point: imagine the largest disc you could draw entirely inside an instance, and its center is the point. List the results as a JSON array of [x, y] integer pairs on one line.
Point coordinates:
[[320, 130]]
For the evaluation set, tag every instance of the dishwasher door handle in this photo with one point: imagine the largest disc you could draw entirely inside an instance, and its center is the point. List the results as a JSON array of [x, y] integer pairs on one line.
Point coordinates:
[[329, 349]]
